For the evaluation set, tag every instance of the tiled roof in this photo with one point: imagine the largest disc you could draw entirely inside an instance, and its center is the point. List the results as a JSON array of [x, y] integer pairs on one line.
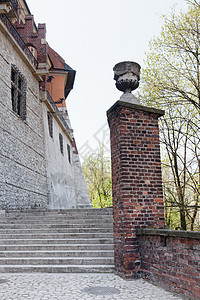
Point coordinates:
[[57, 61]]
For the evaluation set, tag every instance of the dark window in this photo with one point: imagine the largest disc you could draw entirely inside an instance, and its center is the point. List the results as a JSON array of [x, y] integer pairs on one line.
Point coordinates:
[[50, 123], [18, 92], [61, 142], [69, 153]]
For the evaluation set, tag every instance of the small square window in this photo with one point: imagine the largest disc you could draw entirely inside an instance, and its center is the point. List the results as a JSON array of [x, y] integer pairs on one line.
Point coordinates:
[[50, 123], [69, 153], [61, 142]]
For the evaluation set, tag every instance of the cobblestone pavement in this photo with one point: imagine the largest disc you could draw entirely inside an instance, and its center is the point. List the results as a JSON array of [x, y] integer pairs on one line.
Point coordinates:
[[77, 286]]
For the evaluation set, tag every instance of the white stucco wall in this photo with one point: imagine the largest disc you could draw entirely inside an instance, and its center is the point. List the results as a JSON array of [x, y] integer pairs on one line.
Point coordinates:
[[82, 196], [66, 183], [60, 172]]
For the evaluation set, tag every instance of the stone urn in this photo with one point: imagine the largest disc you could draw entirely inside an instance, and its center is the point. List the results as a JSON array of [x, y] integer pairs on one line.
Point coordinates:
[[127, 76]]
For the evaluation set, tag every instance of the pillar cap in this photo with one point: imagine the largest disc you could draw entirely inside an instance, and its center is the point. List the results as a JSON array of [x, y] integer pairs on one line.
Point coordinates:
[[133, 106]]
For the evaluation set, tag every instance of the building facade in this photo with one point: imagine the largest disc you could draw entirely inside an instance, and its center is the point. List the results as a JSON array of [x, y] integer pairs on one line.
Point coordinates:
[[40, 167]]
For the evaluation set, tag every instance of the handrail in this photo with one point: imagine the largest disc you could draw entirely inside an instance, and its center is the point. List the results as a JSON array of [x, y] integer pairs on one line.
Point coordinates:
[[18, 39]]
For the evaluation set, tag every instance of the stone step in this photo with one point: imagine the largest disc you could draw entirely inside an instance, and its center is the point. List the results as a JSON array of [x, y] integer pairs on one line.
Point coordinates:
[[57, 253], [57, 269], [73, 223], [56, 226], [56, 241], [56, 231], [60, 217], [57, 261], [107, 210], [57, 247], [73, 220], [56, 236], [60, 214]]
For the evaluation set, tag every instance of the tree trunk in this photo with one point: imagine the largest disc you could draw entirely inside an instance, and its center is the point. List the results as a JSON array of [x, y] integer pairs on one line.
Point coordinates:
[[183, 219]]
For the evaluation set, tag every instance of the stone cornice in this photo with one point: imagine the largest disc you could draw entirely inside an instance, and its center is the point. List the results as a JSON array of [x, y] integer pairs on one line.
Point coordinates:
[[152, 110]]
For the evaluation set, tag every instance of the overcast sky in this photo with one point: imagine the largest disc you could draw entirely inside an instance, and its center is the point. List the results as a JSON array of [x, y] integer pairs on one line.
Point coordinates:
[[92, 36]]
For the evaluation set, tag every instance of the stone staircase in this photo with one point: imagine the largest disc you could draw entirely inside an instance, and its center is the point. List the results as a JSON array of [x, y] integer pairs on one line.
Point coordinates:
[[75, 240]]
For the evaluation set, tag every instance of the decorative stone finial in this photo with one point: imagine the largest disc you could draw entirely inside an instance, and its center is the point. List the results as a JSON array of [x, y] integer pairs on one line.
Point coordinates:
[[127, 76]]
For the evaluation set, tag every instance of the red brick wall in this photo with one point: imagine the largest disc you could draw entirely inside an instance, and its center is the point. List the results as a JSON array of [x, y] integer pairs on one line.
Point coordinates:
[[37, 40], [34, 38], [169, 258], [136, 178], [172, 258]]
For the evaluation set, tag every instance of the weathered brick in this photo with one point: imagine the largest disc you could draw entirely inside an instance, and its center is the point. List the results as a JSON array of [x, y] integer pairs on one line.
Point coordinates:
[[135, 163], [170, 259]]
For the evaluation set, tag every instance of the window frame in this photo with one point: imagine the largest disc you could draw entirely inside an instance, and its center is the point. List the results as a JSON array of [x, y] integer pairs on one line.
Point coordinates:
[[18, 92], [69, 153], [50, 123], [61, 143]]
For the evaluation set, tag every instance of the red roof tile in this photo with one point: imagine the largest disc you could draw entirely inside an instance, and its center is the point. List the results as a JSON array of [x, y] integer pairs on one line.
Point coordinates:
[[57, 61]]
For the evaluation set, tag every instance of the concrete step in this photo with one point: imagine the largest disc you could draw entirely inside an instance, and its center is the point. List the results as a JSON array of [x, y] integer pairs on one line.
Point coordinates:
[[99, 211], [57, 215], [108, 225], [56, 221], [57, 247], [56, 241], [56, 236], [50, 231], [57, 269], [57, 261], [57, 253], [59, 241]]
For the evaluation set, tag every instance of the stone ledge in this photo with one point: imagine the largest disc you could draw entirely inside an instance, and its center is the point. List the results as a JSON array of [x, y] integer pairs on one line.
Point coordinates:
[[169, 233], [156, 111]]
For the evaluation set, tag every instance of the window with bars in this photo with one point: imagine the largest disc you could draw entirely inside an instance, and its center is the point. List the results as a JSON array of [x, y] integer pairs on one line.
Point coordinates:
[[50, 123], [18, 92], [61, 142]]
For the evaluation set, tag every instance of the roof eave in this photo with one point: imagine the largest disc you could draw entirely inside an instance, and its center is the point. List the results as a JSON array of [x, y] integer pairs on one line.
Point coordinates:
[[70, 82]]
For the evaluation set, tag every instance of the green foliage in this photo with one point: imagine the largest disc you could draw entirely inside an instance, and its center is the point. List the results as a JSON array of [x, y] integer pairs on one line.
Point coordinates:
[[97, 172], [172, 65], [171, 81]]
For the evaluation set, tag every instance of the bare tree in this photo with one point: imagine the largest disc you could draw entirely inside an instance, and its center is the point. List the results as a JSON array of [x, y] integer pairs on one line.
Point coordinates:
[[171, 79]]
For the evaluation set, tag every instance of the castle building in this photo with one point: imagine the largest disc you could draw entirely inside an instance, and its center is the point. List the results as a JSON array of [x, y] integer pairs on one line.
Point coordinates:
[[39, 162]]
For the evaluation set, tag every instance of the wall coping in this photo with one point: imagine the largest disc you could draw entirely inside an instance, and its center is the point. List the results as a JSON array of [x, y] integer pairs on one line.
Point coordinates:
[[171, 233], [153, 110]]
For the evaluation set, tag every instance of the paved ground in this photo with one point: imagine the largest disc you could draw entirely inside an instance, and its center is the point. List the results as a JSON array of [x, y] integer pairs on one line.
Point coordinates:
[[77, 286]]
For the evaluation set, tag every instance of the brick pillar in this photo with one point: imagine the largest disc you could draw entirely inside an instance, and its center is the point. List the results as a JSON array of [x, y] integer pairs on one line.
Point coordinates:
[[137, 179]]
